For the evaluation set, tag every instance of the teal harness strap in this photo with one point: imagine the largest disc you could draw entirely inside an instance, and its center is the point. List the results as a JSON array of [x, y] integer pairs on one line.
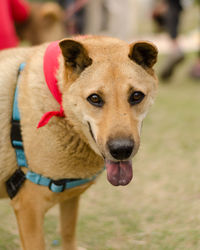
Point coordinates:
[[58, 185], [14, 183], [16, 137]]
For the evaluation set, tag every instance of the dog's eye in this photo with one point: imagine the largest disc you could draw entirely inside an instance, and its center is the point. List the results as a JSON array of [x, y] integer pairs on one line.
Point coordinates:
[[95, 100], [136, 97]]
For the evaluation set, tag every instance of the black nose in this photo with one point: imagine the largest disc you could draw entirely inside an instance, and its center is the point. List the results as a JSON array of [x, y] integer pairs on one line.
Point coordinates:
[[120, 149]]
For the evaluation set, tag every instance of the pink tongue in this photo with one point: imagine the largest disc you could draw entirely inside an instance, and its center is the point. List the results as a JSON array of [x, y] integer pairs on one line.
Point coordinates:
[[119, 173]]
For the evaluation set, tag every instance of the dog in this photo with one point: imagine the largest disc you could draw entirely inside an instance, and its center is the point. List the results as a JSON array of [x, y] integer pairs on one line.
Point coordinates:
[[46, 23], [81, 101]]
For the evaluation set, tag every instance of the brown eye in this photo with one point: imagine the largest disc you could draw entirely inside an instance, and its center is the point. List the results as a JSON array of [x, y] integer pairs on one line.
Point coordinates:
[[136, 97], [95, 100]]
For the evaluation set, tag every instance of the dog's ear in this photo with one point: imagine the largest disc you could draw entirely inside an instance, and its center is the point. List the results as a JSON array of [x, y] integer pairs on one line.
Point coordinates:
[[143, 53], [75, 55], [50, 13]]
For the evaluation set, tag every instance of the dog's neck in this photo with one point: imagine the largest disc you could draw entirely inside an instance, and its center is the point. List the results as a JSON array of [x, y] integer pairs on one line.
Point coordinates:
[[50, 67]]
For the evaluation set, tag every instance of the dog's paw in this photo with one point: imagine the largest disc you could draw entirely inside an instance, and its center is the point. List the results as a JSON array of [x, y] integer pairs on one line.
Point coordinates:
[[81, 248]]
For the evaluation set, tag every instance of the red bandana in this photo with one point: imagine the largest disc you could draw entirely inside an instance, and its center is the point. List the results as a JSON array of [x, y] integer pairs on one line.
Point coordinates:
[[50, 66]]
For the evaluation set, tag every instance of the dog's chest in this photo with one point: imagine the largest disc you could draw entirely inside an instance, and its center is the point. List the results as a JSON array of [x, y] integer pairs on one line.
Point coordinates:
[[79, 155], [60, 153]]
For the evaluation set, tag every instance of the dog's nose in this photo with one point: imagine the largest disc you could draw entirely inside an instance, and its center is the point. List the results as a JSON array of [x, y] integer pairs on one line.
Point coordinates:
[[120, 149]]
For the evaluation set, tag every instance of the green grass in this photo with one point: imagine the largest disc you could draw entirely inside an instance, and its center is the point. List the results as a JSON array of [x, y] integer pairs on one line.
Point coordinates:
[[160, 208]]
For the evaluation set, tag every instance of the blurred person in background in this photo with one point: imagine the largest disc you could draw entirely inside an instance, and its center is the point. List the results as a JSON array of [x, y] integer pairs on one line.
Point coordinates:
[[11, 11], [195, 70], [75, 15], [167, 15], [113, 17], [120, 18]]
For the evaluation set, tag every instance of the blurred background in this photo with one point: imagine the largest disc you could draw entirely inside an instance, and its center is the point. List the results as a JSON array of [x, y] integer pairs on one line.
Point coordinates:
[[160, 209], [173, 25]]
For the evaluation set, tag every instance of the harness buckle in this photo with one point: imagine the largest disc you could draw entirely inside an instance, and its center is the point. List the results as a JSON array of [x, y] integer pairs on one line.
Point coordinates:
[[59, 184], [14, 183], [16, 134]]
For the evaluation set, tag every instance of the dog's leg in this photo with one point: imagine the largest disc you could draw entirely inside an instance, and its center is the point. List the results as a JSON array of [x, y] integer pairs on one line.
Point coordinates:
[[68, 218], [30, 205]]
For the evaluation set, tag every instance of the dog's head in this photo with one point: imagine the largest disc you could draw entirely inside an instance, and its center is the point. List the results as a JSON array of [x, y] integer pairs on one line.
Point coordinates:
[[46, 23], [108, 87]]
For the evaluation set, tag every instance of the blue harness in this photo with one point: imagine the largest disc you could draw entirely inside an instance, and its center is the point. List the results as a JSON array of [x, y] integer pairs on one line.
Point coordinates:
[[16, 180]]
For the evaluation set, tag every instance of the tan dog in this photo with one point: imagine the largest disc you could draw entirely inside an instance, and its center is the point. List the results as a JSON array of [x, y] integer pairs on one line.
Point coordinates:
[[107, 87], [46, 23]]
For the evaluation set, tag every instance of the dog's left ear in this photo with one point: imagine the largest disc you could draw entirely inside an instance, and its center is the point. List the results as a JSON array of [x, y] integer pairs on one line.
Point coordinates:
[[75, 55], [143, 53]]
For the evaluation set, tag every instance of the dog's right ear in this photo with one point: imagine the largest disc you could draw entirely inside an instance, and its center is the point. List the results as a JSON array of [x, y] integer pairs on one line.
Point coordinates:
[[75, 55]]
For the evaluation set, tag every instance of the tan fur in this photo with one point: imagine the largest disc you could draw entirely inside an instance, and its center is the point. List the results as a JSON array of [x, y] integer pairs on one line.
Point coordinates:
[[64, 148], [46, 23]]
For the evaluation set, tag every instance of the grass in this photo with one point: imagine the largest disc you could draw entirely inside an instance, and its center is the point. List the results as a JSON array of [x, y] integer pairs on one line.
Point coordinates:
[[159, 210]]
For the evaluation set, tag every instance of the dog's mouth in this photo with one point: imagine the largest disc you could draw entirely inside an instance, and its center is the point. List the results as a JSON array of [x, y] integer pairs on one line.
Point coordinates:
[[119, 173]]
